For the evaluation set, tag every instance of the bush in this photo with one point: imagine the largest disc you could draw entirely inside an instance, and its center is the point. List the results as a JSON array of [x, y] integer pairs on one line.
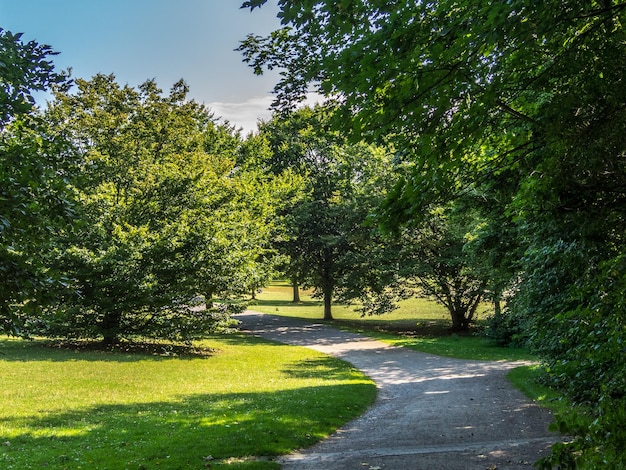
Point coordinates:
[[600, 444], [182, 324], [505, 329]]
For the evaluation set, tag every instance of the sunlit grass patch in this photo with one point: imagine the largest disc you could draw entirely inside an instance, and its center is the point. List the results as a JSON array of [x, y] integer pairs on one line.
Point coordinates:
[[248, 401], [462, 347], [528, 380], [277, 298]]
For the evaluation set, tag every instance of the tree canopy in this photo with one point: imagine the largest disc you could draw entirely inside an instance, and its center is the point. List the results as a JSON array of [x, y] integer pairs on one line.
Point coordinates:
[[326, 235], [166, 219], [455, 85], [35, 203], [520, 102]]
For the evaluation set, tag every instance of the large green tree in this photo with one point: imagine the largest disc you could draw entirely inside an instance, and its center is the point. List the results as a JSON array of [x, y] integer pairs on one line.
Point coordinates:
[[528, 94], [167, 220], [326, 233], [457, 86], [35, 203]]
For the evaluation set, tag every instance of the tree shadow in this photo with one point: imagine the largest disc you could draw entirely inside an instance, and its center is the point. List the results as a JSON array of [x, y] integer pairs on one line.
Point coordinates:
[[327, 367], [187, 432], [19, 350], [93, 351], [422, 328], [283, 303]]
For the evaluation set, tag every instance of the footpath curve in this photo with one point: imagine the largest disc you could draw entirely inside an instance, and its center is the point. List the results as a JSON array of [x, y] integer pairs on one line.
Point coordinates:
[[431, 412]]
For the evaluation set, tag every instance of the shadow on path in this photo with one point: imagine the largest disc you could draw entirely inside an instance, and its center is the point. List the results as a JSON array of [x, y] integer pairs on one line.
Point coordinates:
[[431, 412]]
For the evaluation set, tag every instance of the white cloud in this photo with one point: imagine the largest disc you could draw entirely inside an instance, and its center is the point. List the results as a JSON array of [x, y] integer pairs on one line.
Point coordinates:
[[247, 114]]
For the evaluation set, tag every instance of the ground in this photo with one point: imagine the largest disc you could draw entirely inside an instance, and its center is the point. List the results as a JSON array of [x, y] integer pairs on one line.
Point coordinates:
[[431, 412]]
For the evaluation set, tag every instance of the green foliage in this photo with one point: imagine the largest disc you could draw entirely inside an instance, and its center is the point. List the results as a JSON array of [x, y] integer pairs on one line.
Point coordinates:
[[26, 67], [327, 236], [520, 102], [35, 203], [167, 220], [434, 258], [587, 342], [600, 444], [506, 329]]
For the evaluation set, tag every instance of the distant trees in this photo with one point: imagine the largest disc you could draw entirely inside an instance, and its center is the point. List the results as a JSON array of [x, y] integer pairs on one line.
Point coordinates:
[[326, 235], [331, 237], [436, 262]]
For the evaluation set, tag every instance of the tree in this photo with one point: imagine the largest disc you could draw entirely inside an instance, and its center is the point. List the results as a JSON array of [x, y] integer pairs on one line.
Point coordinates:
[[257, 155], [434, 258], [35, 203], [26, 67], [290, 148], [166, 218], [455, 85], [493, 250], [469, 91], [326, 235]]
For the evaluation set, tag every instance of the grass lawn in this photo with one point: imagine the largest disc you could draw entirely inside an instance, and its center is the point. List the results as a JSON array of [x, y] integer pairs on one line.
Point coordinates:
[[418, 324], [246, 401]]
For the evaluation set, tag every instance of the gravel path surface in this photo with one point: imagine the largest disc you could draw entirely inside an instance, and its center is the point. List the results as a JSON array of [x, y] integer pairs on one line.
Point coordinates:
[[431, 412]]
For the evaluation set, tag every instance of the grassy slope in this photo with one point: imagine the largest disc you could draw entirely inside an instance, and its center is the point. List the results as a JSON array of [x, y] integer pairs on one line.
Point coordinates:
[[88, 409]]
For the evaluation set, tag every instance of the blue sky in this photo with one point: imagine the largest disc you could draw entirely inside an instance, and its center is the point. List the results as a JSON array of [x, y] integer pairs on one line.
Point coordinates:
[[162, 39]]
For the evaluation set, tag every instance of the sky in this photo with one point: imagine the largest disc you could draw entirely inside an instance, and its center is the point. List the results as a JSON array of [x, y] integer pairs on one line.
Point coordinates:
[[165, 40]]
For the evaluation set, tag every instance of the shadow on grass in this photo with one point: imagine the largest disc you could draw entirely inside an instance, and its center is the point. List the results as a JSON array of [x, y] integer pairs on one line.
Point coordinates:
[[192, 432], [427, 328], [63, 351], [283, 303], [244, 339], [19, 350], [322, 367]]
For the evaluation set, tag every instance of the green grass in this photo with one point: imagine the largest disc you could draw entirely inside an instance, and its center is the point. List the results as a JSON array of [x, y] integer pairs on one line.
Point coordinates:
[[419, 324], [276, 298], [247, 401], [528, 380], [472, 347]]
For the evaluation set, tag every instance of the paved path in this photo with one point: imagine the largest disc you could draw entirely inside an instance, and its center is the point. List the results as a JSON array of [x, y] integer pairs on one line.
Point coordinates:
[[431, 412]]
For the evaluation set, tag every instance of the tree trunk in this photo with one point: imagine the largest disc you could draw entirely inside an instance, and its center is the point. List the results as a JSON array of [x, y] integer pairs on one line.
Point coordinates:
[[328, 316], [328, 299], [502, 333], [459, 321], [208, 300], [497, 308], [471, 311], [111, 328], [327, 281], [296, 292]]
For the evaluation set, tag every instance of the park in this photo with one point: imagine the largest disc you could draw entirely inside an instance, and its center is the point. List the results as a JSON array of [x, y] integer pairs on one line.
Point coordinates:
[[458, 195], [234, 401]]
